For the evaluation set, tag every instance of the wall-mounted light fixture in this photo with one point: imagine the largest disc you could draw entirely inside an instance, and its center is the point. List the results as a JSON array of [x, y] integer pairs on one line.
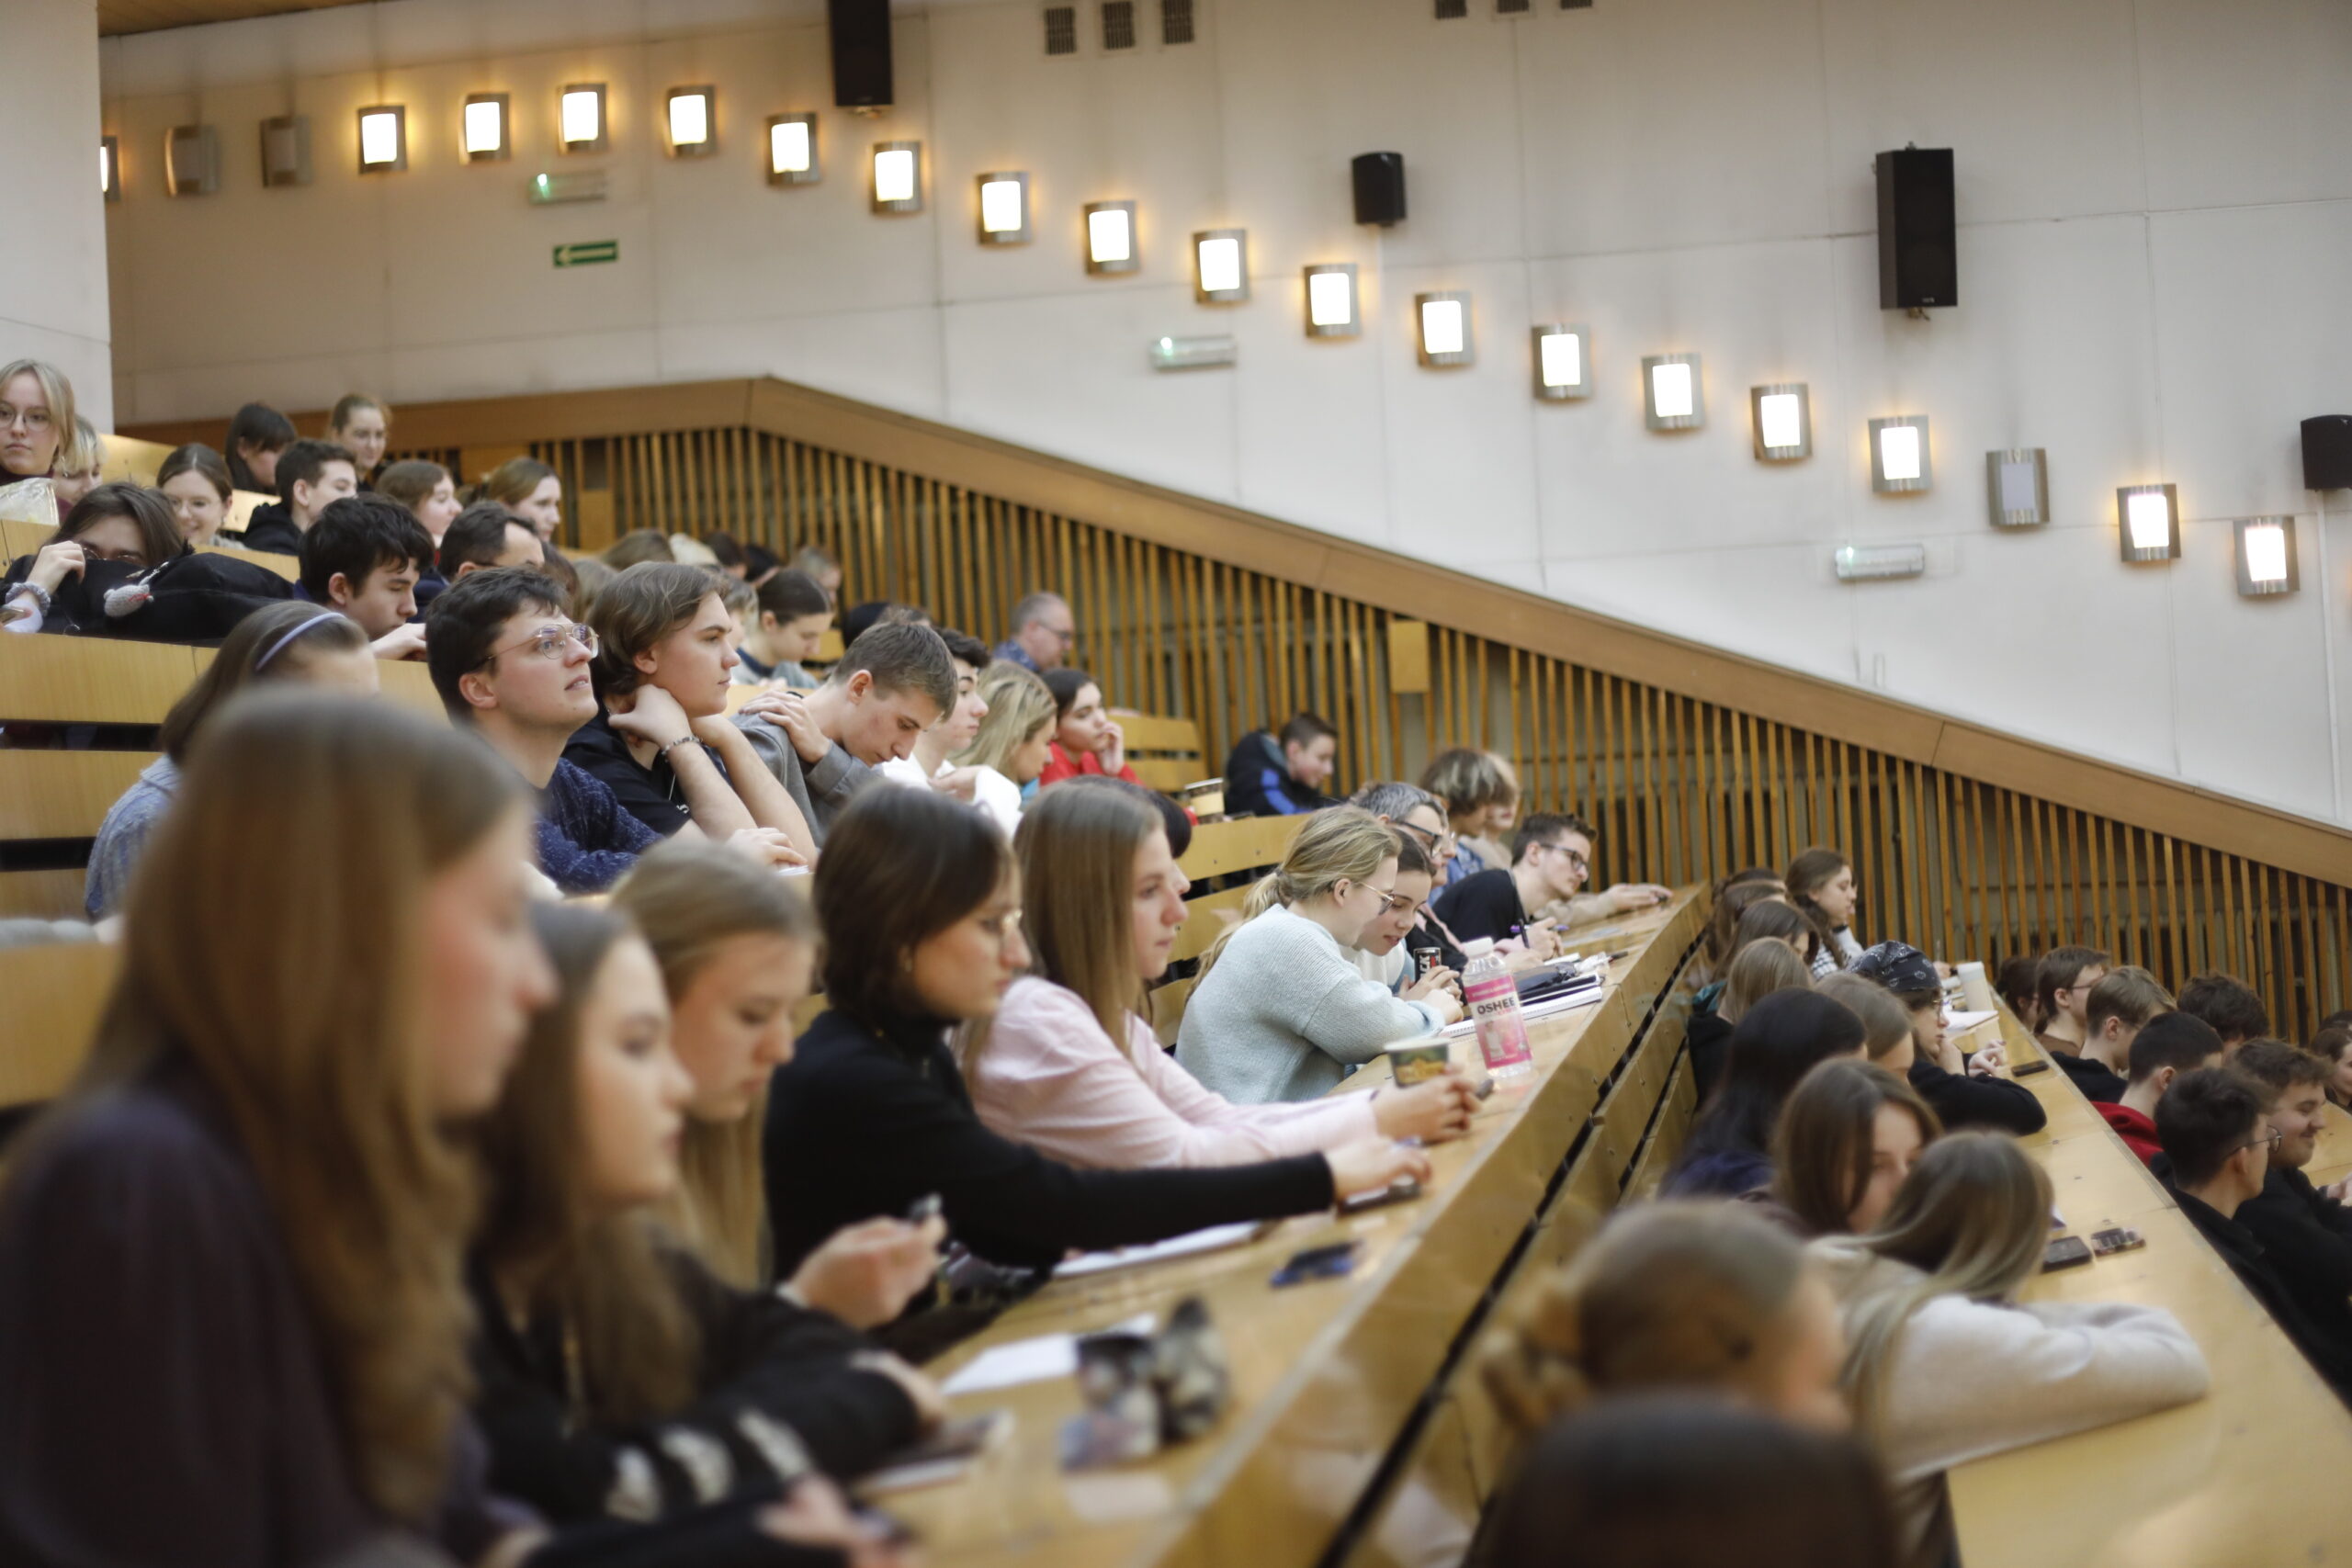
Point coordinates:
[[898, 177], [1782, 412], [1004, 208], [285, 150], [579, 119], [110, 169], [1331, 300], [2266, 557], [1221, 266], [1110, 236], [483, 133], [1443, 320], [1563, 361], [1192, 353], [792, 149], [383, 139], [2017, 487], [1901, 461], [2148, 518], [693, 122], [1865, 563], [1674, 395], [191, 160]]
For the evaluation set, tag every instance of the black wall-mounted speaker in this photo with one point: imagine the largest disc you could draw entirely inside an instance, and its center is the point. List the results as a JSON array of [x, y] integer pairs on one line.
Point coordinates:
[[2327, 452], [859, 31], [1917, 266], [1380, 187]]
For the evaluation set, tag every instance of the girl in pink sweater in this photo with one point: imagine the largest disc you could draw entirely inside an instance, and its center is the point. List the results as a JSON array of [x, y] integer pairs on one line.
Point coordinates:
[[1067, 1068]]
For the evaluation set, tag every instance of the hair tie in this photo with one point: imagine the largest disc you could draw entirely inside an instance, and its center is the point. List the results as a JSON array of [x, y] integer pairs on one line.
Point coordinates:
[[278, 647]]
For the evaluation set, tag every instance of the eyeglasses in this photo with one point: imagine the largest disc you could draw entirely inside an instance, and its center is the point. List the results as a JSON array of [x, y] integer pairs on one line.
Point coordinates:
[[1395, 903], [2271, 1136], [1435, 843], [1064, 637], [552, 642], [31, 419], [1575, 858]]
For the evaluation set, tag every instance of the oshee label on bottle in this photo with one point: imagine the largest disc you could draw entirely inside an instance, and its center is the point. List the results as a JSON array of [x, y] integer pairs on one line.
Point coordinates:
[[1502, 1032]]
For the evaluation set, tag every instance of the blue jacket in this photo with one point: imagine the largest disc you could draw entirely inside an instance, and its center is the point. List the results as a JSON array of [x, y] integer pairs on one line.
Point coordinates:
[[1258, 781]]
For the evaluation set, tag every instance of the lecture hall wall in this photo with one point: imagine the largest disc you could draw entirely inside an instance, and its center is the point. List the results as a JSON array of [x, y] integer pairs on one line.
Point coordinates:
[[52, 227], [2155, 206]]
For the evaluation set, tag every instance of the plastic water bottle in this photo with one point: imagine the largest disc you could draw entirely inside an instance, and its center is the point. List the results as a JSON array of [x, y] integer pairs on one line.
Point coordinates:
[[1492, 996]]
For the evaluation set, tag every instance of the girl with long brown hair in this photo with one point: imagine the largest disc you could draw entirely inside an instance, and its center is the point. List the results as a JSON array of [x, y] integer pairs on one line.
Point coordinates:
[[1068, 1068], [617, 1374], [1821, 885], [1846, 1140], [737, 946]]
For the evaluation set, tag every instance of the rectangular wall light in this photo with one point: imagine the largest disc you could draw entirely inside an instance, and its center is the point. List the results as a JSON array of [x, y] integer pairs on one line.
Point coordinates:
[[383, 139], [484, 132], [1331, 300], [191, 160], [2148, 518], [1192, 353], [1110, 236], [110, 169], [792, 149], [579, 119], [898, 177], [1865, 563], [1004, 208], [2266, 557], [1901, 461], [1443, 321], [693, 122], [2016, 486], [1221, 266], [1674, 394], [1782, 412], [285, 150], [1563, 361]]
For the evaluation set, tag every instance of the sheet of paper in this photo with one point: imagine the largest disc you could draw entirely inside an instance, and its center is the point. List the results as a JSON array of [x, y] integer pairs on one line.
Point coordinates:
[[1032, 1361], [1209, 1240], [1533, 1011], [1956, 1022]]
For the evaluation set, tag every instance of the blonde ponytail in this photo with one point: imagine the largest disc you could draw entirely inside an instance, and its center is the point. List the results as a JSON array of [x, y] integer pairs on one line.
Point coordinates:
[[1345, 843]]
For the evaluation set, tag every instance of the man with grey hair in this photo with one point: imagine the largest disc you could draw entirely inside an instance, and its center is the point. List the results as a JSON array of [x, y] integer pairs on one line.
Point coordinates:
[[1042, 634]]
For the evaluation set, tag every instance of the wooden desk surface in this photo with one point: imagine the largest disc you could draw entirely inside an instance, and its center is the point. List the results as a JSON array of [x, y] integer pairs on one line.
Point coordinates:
[[1325, 1374], [2244, 1478]]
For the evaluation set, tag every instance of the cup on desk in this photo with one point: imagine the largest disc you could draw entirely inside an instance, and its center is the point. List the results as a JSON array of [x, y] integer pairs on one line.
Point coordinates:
[[1418, 1061], [1976, 990]]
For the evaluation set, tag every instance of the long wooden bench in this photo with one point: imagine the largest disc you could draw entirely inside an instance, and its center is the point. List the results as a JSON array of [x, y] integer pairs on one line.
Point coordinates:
[[1348, 1398]]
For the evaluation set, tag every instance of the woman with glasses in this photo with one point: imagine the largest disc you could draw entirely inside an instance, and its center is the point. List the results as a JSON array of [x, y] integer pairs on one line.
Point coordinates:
[[919, 901], [510, 664]]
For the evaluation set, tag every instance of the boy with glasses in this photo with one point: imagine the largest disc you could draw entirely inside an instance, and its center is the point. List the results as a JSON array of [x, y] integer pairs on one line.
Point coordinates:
[[1044, 634], [1551, 857], [2067, 975]]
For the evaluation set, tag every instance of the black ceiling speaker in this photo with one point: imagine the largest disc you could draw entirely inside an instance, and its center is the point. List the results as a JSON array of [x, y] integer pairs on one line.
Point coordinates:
[[2327, 452], [860, 34], [1380, 187], [1917, 266]]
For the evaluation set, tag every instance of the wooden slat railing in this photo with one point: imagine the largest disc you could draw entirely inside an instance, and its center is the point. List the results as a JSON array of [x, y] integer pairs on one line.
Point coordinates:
[[1692, 760]]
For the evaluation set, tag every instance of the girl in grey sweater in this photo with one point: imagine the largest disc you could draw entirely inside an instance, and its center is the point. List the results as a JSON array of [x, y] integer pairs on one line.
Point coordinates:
[[1279, 1010]]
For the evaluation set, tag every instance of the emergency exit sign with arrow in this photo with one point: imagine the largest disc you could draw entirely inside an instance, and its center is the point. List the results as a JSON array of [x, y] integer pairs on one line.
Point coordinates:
[[587, 253]]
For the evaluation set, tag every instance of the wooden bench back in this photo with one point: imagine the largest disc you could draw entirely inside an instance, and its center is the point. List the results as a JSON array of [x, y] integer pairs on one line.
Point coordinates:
[[1249, 848]]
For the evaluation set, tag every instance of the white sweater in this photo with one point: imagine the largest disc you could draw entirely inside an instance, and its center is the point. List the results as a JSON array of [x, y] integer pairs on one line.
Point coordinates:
[[1285, 1014], [1969, 1379]]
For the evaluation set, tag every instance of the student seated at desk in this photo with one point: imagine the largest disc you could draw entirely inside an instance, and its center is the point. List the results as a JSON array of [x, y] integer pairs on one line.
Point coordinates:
[[1481, 801], [1010, 748], [926, 765], [483, 536], [364, 557], [794, 614], [614, 1373], [1383, 952], [2171, 1043], [892, 684], [2018, 983], [1846, 1141], [2067, 975], [1087, 740], [1772, 1048], [1761, 969], [1965, 1090], [2118, 1008], [2229, 1004], [1947, 1366], [258, 435], [662, 741], [1765, 920], [2332, 1044], [288, 643], [2306, 1233], [113, 534], [196, 481], [1699, 1297], [1067, 1068], [1734, 894], [1282, 775], [1820, 883], [1677, 1481], [920, 904], [1550, 855], [312, 475], [1279, 1010], [2218, 1142], [36, 418]]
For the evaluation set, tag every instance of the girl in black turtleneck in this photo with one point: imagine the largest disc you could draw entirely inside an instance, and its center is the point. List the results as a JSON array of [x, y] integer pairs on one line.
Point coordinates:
[[921, 906]]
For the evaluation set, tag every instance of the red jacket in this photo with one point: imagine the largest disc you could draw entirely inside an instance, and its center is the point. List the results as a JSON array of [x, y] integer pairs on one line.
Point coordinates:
[[1059, 767], [2133, 1128]]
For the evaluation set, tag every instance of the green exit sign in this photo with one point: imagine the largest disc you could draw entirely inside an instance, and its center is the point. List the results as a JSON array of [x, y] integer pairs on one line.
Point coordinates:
[[588, 253]]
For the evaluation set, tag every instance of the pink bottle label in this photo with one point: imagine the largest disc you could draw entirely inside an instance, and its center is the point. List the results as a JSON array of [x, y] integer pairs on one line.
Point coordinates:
[[1493, 1000]]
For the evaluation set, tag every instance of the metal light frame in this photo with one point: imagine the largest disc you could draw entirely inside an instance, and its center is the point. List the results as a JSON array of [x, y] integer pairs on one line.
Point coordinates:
[[1883, 483], [980, 184], [2038, 460], [1793, 451], [894, 206], [2248, 587], [1696, 417], [2170, 548], [1239, 292], [1561, 391], [808, 176], [1353, 325]]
